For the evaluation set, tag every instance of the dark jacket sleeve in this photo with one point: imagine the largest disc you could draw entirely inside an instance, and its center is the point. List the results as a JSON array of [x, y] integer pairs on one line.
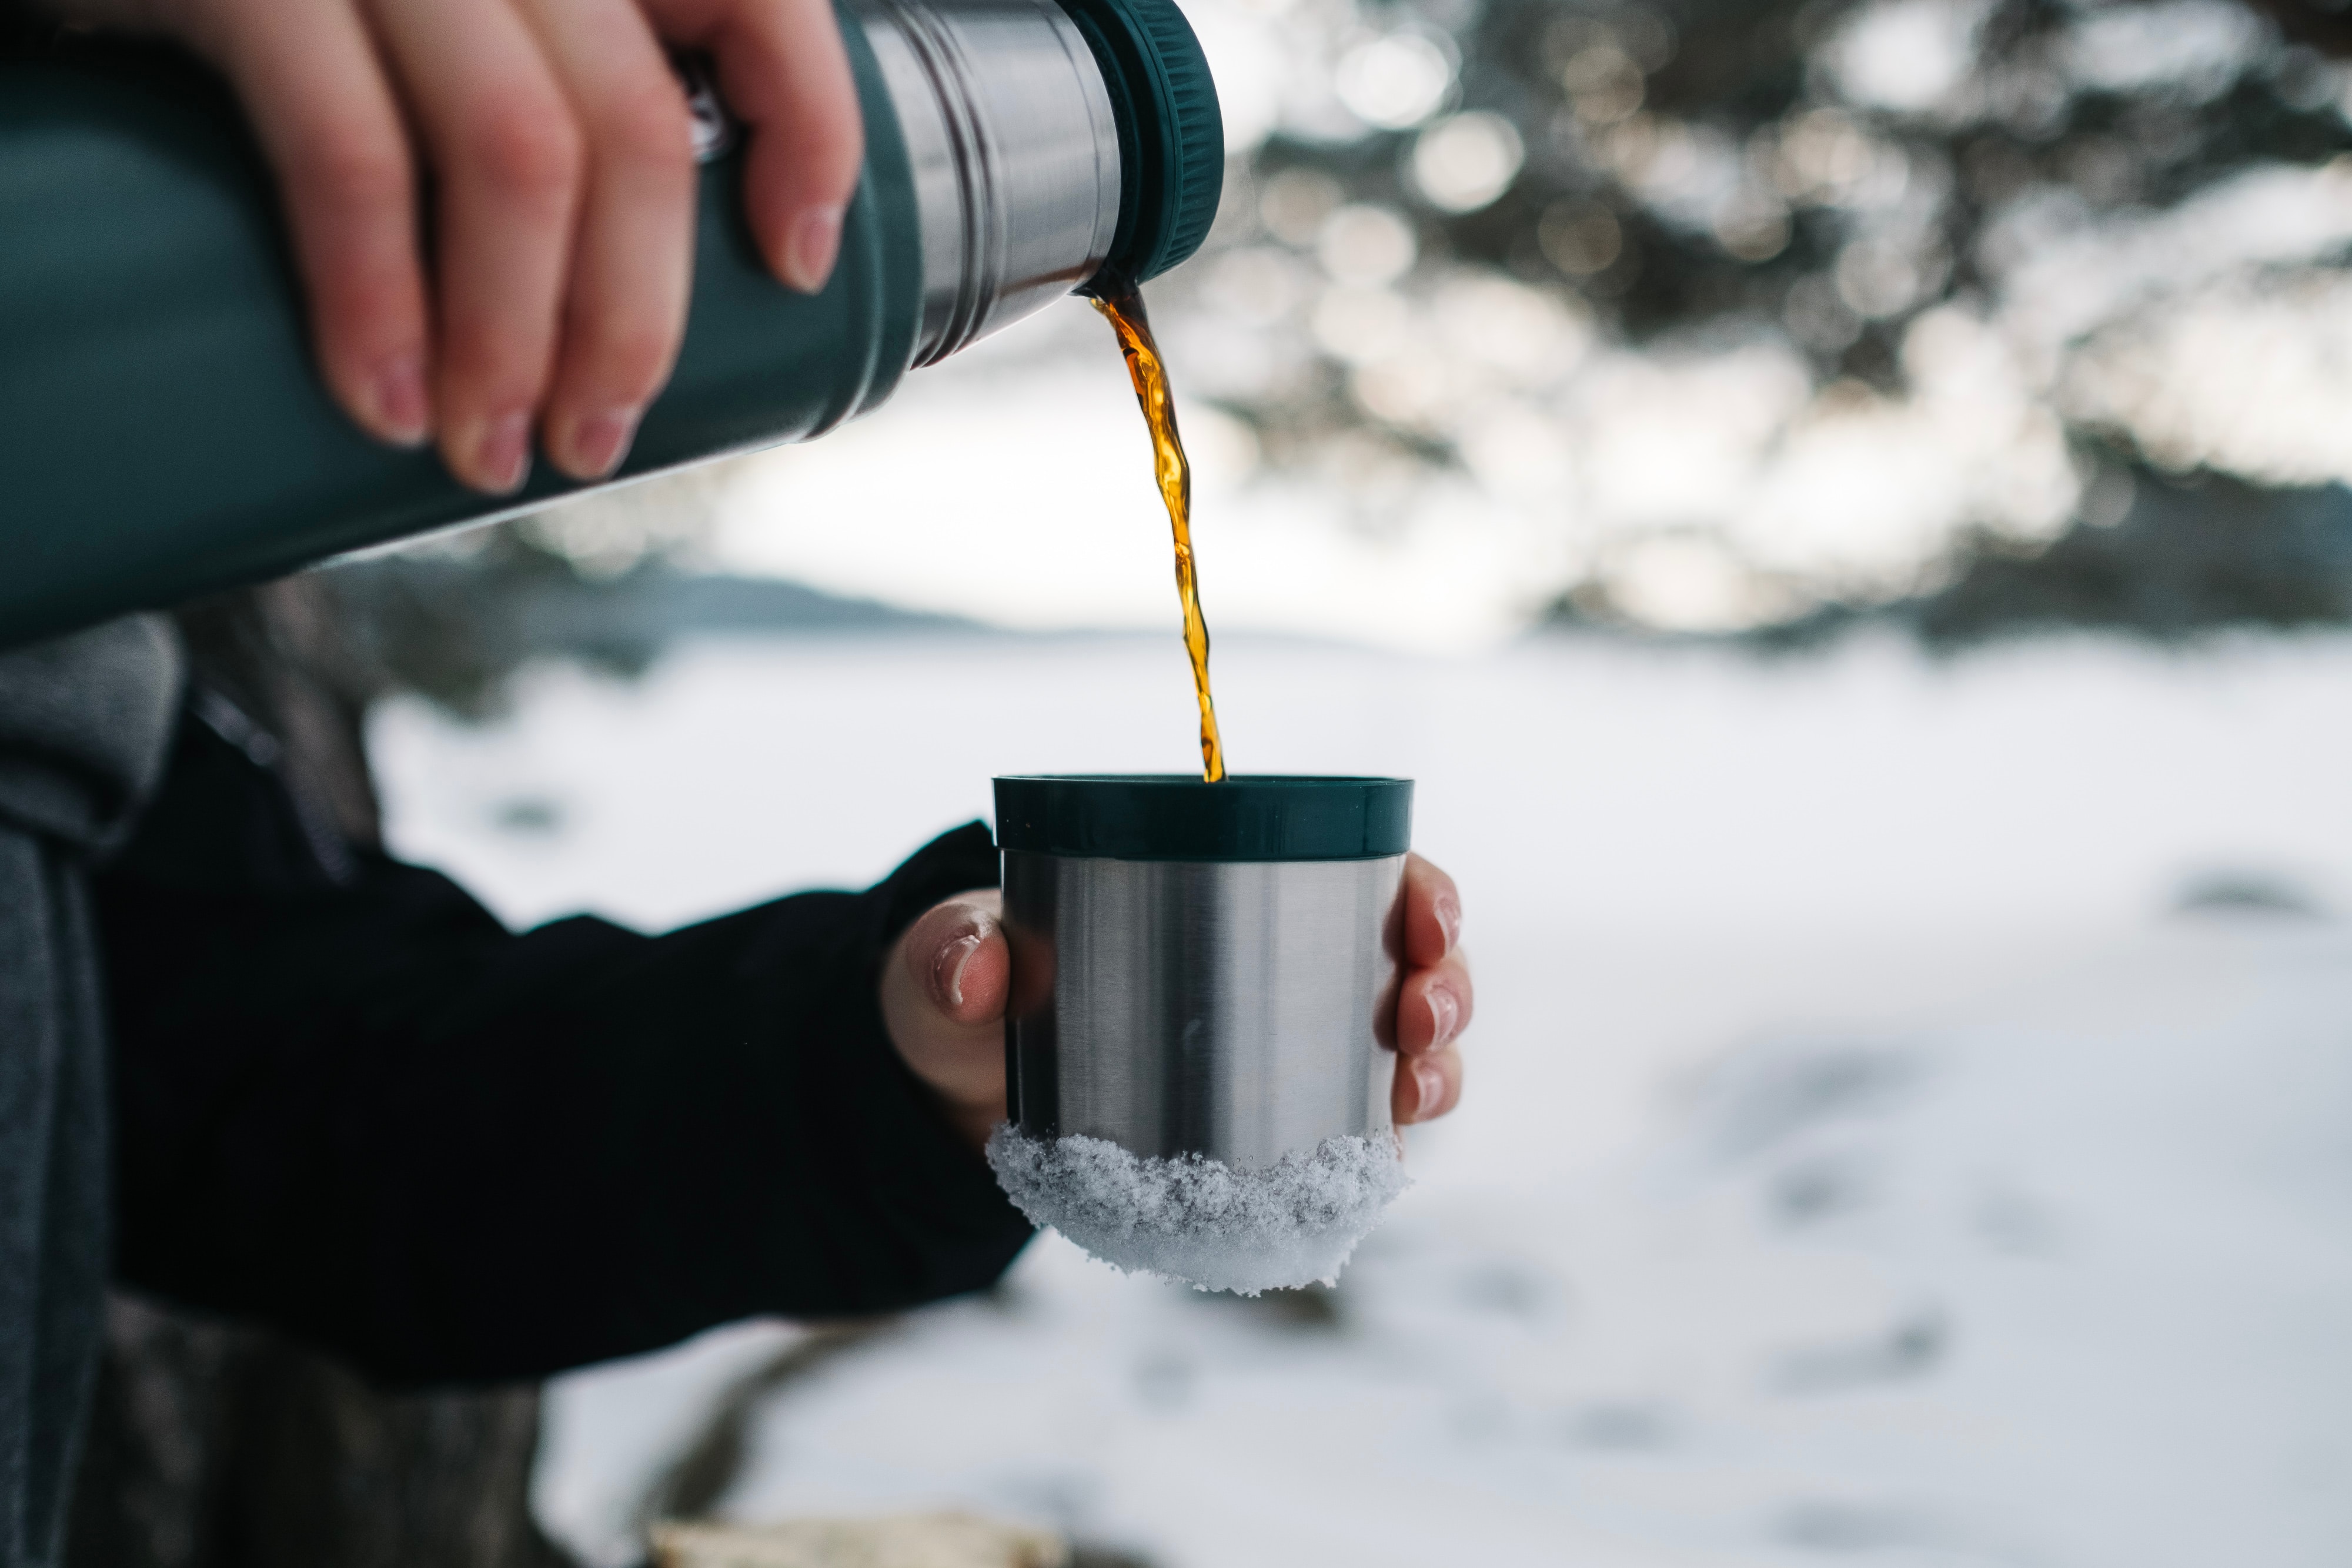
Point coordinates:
[[351, 1104], [25, 28]]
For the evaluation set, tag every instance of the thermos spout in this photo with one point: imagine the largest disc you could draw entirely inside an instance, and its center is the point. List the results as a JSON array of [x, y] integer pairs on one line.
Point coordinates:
[[1047, 143], [1014, 153]]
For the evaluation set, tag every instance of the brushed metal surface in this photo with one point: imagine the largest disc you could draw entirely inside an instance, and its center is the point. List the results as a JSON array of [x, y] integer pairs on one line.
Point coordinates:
[[1016, 156], [1234, 1010]]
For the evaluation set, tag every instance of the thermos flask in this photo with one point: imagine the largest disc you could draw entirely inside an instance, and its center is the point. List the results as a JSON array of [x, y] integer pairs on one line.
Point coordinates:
[[164, 432]]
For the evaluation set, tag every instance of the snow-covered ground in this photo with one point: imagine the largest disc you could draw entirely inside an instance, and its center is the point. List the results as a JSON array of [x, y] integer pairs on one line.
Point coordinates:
[[1859, 1163]]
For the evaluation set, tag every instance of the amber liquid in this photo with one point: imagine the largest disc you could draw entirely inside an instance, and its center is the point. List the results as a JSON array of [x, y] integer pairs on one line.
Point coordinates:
[[1123, 306]]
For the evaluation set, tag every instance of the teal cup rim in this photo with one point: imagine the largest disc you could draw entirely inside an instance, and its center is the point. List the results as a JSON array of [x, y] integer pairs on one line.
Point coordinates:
[[1244, 817]]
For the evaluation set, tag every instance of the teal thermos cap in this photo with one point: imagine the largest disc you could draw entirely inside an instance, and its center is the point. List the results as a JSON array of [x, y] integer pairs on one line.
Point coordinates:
[[1171, 137]]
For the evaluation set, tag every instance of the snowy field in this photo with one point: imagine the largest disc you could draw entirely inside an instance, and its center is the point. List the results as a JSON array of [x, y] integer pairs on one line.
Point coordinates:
[[1864, 1162]]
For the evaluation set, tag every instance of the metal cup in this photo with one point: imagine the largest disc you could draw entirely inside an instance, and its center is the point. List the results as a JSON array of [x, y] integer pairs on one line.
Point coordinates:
[[1203, 969]]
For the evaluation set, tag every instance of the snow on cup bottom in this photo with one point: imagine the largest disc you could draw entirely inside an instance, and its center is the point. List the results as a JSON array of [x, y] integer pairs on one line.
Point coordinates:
[[1203, 975], [1198, 1220]]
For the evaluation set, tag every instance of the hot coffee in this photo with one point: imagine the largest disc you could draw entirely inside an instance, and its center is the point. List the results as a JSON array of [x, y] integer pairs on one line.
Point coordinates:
[[1122, 304]]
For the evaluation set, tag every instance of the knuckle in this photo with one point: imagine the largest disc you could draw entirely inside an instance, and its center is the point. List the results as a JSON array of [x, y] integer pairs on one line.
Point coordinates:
[[348, 167], [527, 147], [646, 129], [630, 357], [498, 364], [640, 357], [363, 306]]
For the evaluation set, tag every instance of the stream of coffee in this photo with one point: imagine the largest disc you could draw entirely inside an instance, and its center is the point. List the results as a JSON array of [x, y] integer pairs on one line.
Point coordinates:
[[1122, 304]]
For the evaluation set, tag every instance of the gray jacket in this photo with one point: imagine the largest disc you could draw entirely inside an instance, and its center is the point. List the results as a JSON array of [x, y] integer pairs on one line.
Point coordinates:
[[84, 724]]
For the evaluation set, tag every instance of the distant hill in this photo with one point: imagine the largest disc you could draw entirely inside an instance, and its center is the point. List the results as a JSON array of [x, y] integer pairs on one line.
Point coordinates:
[[2190, 555], [456, 629], [2194, 553]]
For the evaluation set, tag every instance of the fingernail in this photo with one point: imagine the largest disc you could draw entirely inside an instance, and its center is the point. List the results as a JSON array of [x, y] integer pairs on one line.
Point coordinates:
[[503, 454], [403, 416], [1430, 1082], [1449, 919], [946, 970], [1445, 1015], [600, 441], [810, 248]]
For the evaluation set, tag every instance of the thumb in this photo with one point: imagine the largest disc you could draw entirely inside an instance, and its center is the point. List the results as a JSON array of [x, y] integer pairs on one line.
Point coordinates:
[[943, 997], [957, 955]]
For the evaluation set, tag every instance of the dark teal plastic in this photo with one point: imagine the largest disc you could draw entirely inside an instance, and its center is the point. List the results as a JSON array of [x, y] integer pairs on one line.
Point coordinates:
[[163, 431], [1176, 817], [1171, 131]]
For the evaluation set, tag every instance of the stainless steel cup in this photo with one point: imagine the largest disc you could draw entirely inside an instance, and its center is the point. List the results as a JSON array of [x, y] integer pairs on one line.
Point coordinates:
[[1203, 969]]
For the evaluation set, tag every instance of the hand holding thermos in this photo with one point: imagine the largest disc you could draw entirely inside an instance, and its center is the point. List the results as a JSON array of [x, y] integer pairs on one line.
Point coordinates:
[[545, 149]]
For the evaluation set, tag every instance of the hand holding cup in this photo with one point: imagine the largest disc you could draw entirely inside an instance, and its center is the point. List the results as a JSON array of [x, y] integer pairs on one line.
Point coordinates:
[[946, 986]]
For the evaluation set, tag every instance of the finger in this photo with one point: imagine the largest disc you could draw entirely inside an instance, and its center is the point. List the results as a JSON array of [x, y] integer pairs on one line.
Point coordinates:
[[1434, 1007], [1426, 1087], [958, 958], [507, 156], [1433, 912], [328, 122], [634, 254], [784, 73]]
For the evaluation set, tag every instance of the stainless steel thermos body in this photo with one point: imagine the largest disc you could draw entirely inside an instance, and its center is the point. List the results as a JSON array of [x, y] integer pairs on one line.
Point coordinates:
[[1203, 969], [164, 432]]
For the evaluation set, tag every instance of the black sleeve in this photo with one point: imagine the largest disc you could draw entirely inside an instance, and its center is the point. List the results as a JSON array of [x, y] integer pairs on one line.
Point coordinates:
[[351, 1104], [23, 29]]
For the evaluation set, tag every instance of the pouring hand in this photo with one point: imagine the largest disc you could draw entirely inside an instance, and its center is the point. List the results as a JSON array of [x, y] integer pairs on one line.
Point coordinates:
[[944, 991], [558, 151]]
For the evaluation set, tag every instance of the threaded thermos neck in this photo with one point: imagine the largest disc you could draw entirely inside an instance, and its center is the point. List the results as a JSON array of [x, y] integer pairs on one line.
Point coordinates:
[[1048, 144]]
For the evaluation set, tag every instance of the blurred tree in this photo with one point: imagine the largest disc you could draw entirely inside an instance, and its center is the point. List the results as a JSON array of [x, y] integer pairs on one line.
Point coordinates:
[[1971, 228], [2192, 552]]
